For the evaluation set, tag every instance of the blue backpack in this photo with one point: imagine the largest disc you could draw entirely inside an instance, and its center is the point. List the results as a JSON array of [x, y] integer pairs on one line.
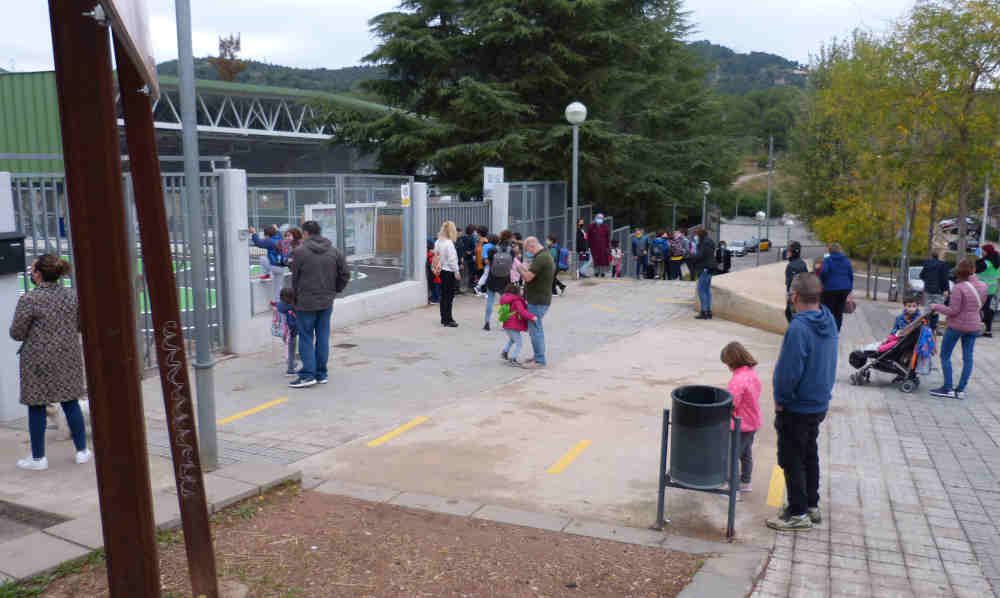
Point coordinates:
[[563, 259]]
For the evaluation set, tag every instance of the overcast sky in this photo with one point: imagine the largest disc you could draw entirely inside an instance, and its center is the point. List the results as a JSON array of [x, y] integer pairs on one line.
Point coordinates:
[[334, 33]]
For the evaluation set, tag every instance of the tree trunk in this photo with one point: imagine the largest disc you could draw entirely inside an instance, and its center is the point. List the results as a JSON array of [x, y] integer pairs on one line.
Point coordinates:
[[963, 211], [933, 222]]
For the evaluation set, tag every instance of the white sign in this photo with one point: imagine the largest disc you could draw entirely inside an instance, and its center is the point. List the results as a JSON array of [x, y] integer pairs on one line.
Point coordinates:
[[130, 22], [404, 194], [492, 175]]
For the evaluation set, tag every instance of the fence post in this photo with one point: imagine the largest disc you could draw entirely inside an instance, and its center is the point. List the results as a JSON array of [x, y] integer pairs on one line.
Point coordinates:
[[234, 261], [500, 207], [10, 383], [418, 205]]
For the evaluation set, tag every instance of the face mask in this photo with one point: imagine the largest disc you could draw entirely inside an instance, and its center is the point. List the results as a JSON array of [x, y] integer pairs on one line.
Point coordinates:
[[529, 254], [599, 220]]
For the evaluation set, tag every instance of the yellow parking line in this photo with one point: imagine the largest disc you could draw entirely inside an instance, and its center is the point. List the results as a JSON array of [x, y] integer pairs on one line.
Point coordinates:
[[776, 489], [604, 308], [676, 301], [569, 457], [256, 409], [401, 429]]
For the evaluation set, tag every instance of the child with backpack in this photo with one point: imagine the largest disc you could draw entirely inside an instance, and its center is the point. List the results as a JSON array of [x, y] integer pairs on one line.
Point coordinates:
[[433, 280], [558, 256], [617, 256], [499, 264], [660, 252], [514, 316], [286, 307]]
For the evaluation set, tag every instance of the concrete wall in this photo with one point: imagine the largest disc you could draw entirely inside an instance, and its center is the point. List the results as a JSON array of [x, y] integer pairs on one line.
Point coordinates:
[[10, 379], [754, 297], [235, 262]]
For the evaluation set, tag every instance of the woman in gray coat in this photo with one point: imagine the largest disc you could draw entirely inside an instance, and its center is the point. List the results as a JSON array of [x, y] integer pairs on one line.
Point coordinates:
[[47, 322]]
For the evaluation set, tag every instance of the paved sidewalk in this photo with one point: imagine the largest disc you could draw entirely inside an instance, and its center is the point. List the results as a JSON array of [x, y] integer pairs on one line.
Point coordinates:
[[909, 487]]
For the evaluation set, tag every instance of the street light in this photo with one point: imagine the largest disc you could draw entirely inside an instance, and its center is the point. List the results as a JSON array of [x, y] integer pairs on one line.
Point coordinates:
[[789, 223], [705, 190], [576, 113], [760, 217]]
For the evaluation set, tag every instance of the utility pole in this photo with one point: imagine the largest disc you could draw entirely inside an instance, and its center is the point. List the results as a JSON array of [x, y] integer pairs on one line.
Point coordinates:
[[904, 258], [203, 363], [986, 213], [770, 185], [673, 221]]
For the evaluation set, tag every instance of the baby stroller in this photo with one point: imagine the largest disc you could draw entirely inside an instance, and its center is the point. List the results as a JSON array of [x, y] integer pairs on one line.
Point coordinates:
[[897, 355]]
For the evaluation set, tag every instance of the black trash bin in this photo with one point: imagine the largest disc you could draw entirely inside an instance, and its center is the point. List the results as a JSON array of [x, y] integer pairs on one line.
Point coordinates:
[[700, 436]]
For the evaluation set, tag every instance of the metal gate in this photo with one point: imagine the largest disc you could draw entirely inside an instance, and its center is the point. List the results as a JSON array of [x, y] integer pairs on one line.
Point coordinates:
[[40, 210], [463, 214]]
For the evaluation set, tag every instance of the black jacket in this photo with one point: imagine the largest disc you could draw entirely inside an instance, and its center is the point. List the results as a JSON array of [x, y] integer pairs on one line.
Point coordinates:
[[319, 272], [705, 258], [795, 267], [581, 241], [935, 276]]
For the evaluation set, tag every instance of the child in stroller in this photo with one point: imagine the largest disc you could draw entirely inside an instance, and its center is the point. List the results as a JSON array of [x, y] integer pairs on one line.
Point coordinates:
[[905, 353]]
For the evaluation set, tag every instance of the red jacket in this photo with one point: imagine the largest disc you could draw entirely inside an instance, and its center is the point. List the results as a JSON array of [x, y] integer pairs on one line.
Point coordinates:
[[519, 314]]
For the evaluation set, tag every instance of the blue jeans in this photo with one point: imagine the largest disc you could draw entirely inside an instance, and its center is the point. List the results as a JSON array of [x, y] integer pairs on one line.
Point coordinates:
[[513, 346], [37, 422], [314, 343], [640, 266], [293, 339], [491, 297], [705, 290], [951, 338], [537, 333]]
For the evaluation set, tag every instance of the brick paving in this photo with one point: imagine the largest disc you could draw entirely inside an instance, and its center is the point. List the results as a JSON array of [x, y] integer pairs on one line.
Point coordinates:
[[910, 485]]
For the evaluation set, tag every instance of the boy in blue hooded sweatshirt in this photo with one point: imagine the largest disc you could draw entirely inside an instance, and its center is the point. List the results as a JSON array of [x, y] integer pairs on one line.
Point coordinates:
[[803, 386]]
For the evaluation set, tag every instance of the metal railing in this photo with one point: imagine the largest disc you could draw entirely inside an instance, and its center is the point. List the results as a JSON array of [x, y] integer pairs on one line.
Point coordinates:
[[41, 213]]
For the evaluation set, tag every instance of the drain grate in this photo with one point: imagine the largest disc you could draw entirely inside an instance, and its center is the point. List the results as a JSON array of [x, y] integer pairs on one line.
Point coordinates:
[[344, 346]]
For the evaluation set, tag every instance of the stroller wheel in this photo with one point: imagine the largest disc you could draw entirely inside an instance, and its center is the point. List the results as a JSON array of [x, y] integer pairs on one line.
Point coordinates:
[[908, 386]]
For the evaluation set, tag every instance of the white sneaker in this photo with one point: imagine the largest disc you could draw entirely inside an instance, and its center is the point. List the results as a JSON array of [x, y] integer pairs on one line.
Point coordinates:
[[83, 456], [34, 464]]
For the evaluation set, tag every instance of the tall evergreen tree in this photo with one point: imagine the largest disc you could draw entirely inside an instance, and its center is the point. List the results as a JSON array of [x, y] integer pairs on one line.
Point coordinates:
[[485, 82]]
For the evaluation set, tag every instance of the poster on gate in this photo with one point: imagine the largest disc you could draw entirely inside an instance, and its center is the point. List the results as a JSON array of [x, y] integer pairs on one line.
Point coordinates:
[[492, 176]]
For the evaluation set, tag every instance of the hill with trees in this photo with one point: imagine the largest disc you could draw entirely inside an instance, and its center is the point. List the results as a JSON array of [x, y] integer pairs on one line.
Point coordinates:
[[259, 73], [739, 74]]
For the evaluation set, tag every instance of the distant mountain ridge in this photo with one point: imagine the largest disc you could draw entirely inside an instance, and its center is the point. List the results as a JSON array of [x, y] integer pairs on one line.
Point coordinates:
[[274, 75], [739, 74], [731, 72]]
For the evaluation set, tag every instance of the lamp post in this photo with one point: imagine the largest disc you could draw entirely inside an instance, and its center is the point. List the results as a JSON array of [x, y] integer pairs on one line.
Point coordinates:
[[705, 190], [576, 113], [789, 223], [761, 217]]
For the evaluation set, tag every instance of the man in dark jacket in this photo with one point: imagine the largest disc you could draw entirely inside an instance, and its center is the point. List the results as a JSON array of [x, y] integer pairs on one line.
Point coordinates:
[[796, 265], [935, 275], [803, 386], [703, 265], [319, 272]]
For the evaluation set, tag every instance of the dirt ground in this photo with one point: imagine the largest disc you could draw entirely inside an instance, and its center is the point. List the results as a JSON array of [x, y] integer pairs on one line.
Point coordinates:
[[301, 543]]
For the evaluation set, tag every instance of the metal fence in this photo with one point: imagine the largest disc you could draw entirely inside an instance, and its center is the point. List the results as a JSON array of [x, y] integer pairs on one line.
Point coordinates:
[[40, 209], [361, 214], [461, 213], [541, 208]]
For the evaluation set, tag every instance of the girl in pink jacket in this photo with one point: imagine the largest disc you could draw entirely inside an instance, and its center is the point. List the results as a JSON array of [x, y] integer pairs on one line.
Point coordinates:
[[516, 322], [745, 388]]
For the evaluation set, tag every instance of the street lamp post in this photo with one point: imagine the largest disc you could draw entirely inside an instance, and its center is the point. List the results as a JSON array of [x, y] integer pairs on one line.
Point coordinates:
[[576, 113], [788, 235], [761, 217], [705, 190]]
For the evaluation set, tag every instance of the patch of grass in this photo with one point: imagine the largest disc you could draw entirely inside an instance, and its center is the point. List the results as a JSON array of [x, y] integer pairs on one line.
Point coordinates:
[[245, 511], [38, 584]]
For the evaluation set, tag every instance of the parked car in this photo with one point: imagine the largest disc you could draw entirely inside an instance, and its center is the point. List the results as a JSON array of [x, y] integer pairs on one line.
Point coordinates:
[[737, 248], [752, 245], [916, 284]]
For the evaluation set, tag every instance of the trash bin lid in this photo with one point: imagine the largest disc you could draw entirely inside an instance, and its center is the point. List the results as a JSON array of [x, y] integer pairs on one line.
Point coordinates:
[[701, 396]]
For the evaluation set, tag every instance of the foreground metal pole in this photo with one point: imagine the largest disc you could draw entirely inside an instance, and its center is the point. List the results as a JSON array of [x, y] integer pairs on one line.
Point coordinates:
[[662, 494], [82, 51], [194, 216], [171, 359], [734, 456], [576, 205]]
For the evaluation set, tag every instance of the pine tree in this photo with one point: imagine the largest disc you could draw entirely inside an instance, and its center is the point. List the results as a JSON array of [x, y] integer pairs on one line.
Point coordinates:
[[486, 82]]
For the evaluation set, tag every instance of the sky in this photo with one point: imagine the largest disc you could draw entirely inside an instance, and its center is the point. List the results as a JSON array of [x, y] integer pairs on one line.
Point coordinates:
[[334, 33]]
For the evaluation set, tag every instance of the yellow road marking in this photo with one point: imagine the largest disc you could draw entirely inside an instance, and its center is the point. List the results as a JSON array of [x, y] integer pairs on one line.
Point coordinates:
[[569, 457], [413, 423], [256, 409], [604, 308], [677, 301], [776, 489]]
